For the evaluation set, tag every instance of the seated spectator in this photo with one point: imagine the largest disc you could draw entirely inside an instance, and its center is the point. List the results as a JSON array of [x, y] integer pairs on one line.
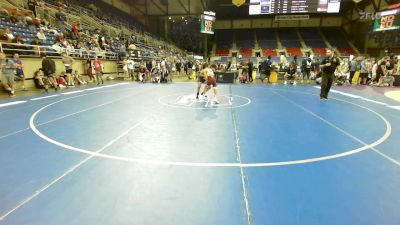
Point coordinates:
[[78, 77], [143, 72], [31, 26], [378, 72], [19, 70], [39, 80], [244, 77], [57, 48], [7, 79], [387, 80], [9, 36], [341, 74], [291, 74], [49, 70], [40, 35]]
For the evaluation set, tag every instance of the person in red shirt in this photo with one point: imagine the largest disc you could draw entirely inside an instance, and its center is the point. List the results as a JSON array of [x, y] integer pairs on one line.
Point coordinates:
[[98, 68], [75, 31]]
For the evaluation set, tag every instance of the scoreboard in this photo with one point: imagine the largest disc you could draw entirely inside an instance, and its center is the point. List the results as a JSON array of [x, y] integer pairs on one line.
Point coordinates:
[[207, 23], [261, 7], [387, 20]]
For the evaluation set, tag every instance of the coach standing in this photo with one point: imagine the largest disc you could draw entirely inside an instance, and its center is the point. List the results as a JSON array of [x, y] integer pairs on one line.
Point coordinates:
[[328, 66]]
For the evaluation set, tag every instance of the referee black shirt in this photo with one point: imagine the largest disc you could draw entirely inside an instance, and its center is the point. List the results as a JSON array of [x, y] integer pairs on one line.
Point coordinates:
[[334, 61]]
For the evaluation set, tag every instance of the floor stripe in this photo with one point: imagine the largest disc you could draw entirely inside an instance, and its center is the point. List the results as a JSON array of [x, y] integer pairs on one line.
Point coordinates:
[[354, 96], [92, 89], [72, 169], [72, 92], [239, 159], [11, 103], [50, 96], [218, 164], [394, 107], [386, 156], [339, 129], [65, 116], [373, 101]]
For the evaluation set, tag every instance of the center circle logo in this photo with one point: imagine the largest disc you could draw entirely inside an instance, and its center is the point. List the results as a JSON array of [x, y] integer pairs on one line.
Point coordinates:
[[190, 101]]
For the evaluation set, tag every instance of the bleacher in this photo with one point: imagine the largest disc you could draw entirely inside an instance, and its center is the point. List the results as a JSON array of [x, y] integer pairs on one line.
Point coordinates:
[[224, 41], [245, 42], [222, 52], [291, 41], [338, 40], [267, 41], [288, 37], [26, 34], [313, 40]]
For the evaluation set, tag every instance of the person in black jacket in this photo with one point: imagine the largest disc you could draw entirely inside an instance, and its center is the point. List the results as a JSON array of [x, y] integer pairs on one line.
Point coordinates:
[[49, 70], [250, 71], [328, 66], [266, 67]]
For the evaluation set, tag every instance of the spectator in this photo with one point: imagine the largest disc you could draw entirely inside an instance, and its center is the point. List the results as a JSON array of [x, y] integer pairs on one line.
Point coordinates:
[[9, 36], [341, 73], [68, 63], [39, 80], [267, 67], [291, 74], [387, 80], [143, 72], [61, 18], [353, 68], [40, 35], [32, 4], [131, 69], [31, 25], [380, 72], [79, 77], [89, 69], [250, 71], [7, 79], [364, 71], [49, 70], [75, 31], [99, 69], [178, 67], [19, 70]]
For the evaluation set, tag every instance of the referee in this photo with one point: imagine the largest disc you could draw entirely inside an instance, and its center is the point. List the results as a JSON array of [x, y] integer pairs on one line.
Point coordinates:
[[328, 66]]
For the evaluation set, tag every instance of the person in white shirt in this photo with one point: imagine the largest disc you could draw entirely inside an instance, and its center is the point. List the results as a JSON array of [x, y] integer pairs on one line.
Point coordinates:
[[10, 37], [131, 69], [40, 35]]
